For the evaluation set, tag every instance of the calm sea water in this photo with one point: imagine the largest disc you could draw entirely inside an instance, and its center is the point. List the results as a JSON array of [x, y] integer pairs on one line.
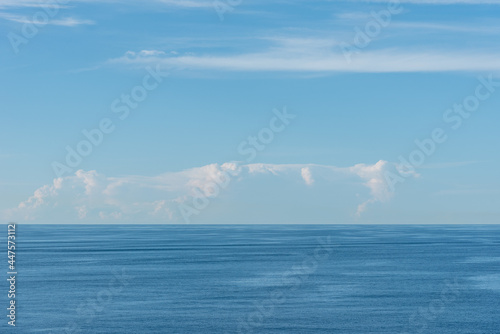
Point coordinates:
[[256, 279]]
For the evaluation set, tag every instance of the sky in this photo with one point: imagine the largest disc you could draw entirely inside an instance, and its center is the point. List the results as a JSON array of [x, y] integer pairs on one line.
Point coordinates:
[[250, 112]]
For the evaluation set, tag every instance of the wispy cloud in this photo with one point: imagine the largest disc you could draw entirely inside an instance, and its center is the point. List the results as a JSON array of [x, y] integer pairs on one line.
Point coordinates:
[[438, 165], [446, 27], [52, 4], [313, 55], [30, 3], [209, 3], [67, 22], [186, 3]]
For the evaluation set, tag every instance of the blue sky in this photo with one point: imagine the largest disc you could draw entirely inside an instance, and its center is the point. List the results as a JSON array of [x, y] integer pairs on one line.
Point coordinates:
[[360, 99]]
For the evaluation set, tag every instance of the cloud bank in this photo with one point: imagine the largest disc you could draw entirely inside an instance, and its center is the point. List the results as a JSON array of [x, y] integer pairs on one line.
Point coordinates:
[[91, 197]]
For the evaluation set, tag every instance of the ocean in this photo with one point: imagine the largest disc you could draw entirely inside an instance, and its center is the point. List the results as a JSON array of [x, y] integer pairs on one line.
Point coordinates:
[[255, 279]]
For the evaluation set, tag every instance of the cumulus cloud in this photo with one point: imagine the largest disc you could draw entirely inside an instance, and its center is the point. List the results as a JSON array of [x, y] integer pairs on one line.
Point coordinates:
[[375, 181], [306, 175], [88, 196]]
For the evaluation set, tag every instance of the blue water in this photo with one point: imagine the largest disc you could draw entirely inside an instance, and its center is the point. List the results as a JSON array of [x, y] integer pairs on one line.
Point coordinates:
[[256, 279]]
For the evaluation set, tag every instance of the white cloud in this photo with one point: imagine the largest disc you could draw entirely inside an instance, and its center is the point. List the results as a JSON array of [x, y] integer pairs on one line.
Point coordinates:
[[307, 176], [82, 211], [209, 3], [70, 22], [187, 3], [88, 196], [144, 53], [67, 21], [375, 180], [321, 56], [54, 4], [454, 28], [30, 3]]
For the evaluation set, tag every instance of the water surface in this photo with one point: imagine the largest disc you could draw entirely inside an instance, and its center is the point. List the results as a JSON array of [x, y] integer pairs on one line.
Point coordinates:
[[257, 279]]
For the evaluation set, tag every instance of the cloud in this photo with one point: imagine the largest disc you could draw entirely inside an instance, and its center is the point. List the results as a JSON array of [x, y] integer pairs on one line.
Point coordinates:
[[375, 181], [88, 196], [187, 3], [209, 3], [307, 176], [30, 3], [318, 55], [454, 28], [70, 22], [54, 4], [67, 21], [146, 54]]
